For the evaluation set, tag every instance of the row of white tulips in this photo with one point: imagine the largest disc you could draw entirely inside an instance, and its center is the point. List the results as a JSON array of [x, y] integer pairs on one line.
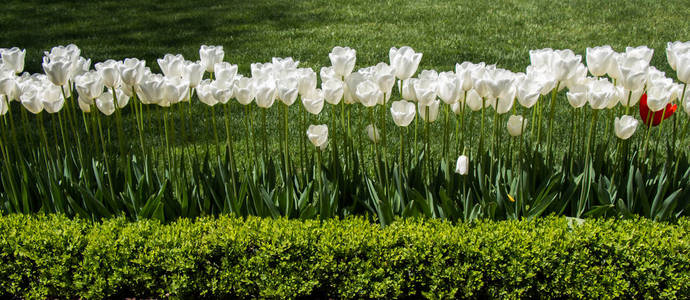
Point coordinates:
[[471, 85]]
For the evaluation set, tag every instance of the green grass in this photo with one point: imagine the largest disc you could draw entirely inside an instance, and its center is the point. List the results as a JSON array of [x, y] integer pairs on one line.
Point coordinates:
[[499, 32]]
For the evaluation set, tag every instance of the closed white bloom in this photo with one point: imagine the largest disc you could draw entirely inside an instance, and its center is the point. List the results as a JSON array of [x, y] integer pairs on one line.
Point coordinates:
[[618, 92], [57, 70], [577, 96], [266, 92], [51, 98], [462, 165], [674, 49], [516, 125], [89, 86], [105, 103], [244, 90], [633, 72], [225, 72], [425, 91], [313, 102], [110, 72], [599, 93], [131, 71], [528, 92], [261, 70], [404, 61], [193, 72], [658, 97], [641, 52], [385, 77], [599, 59], [13, 59], [432, 109], [80, 66], [473, 100], [172, 65], [543, 77], [449, 87], [625, 126], [205, 92], [288, 90], [565, 64], [403, 112], [307, 80], [408, 92], [503, 104], [175, 90], [683, 67], [343, 60], [31, 98], [467, 71], [210, 56], [368, 93], [283, 65], [318, 135], [9, 85], [150, 89], [328, 73], [373, 133], [333, 90]]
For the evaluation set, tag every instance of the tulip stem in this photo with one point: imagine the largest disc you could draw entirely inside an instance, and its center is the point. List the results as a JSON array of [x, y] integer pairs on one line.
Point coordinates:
[[552, 111], [427, 151], [481, 130], [246, 137], [402, 142], [445, 133], [265, 135], [539, 109], [105, 156], [228, 136], [286, 142], [215, 128], [376, 148], [416, 125], [677, 118], [584, 193], [646, 138]]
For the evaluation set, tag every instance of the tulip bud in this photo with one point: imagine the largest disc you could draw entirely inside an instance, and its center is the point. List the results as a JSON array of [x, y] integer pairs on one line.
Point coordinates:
[[462, 166], [403, 112], [625, 126], [193, 72], [244, 90], [266, 92], [343, 60], [516, 125], [318, 135], [288, 90]]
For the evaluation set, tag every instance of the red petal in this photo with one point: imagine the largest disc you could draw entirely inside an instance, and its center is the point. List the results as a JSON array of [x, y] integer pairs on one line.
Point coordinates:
[[656, 117]]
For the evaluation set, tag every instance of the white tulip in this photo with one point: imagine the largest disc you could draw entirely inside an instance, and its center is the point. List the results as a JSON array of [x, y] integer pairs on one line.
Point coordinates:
[[58, 70], [599, 60], [373, 133], [599, 93], [473, 100], [404, 61], [343, 60], [449, 87], [225, 72], [462, 166], [13, 59], [633, 72], [674, 49], [150, 90], [328, 73], [109, 71], [528, 92], [205, 92], [131, 71], [658, 97], [4, 107], [89, 86], [172, 65], [318, 135], [175, 90], [333, 90], [641, 52], [425, 91], [403, 112], [577, 96], [266, 92], [516, 125], [9, 86], [625, 126], [432, 108], [408, 92], [288, 88], [51, 98], [368, 93], [31, 98], [244, 90], [683, 67], [313, 102], [307, 80], [193, 72], [210, 56]]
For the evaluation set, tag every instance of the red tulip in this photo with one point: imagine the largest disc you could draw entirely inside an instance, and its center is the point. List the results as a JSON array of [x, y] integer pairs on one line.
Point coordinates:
[[656, 117]]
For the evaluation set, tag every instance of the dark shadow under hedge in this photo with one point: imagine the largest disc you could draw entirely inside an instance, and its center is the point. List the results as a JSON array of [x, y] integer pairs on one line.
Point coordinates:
[[54, 256]]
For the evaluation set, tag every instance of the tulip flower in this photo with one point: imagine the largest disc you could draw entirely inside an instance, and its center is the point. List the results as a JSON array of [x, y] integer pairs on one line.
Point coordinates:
[[599, 93], [625, 126], [408, 92], [328, 73], [528, 92], [266, 92], [151, 89], [175, 90], [385, 78], [283, 65], [403, 112], [449, 87], [464, 73], [368, 93], [404, 61], [516, 125], [433, 111], [131, 71], [225, 72], [462, 165], [51, 98], [4, 107], [307, 80], [58, 70], [172, 65], [318, 135], [683, 67], [373, 133], [633, 72], [205, 92], [13, 59], [210, 56], [222, 92], [31, 98], [577, 96], [79, 67], [641, 53], [9, 85], [657, 98], [333, 90], [89, 86], [654, 118], [193, 72], [109, 71], [343, 60], [313, 102], [425, 91], [244, 90], [473, 100], [674, 49], [288, 90], [599, 59]]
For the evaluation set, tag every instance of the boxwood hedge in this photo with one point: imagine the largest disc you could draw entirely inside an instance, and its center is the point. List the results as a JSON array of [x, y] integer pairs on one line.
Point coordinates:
[[225, 257]]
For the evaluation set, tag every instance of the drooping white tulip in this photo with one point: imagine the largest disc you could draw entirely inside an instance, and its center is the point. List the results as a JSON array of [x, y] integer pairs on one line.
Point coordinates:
[[625, 126], [210, 56], [403, 112], [462, 165], [343, 60]]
